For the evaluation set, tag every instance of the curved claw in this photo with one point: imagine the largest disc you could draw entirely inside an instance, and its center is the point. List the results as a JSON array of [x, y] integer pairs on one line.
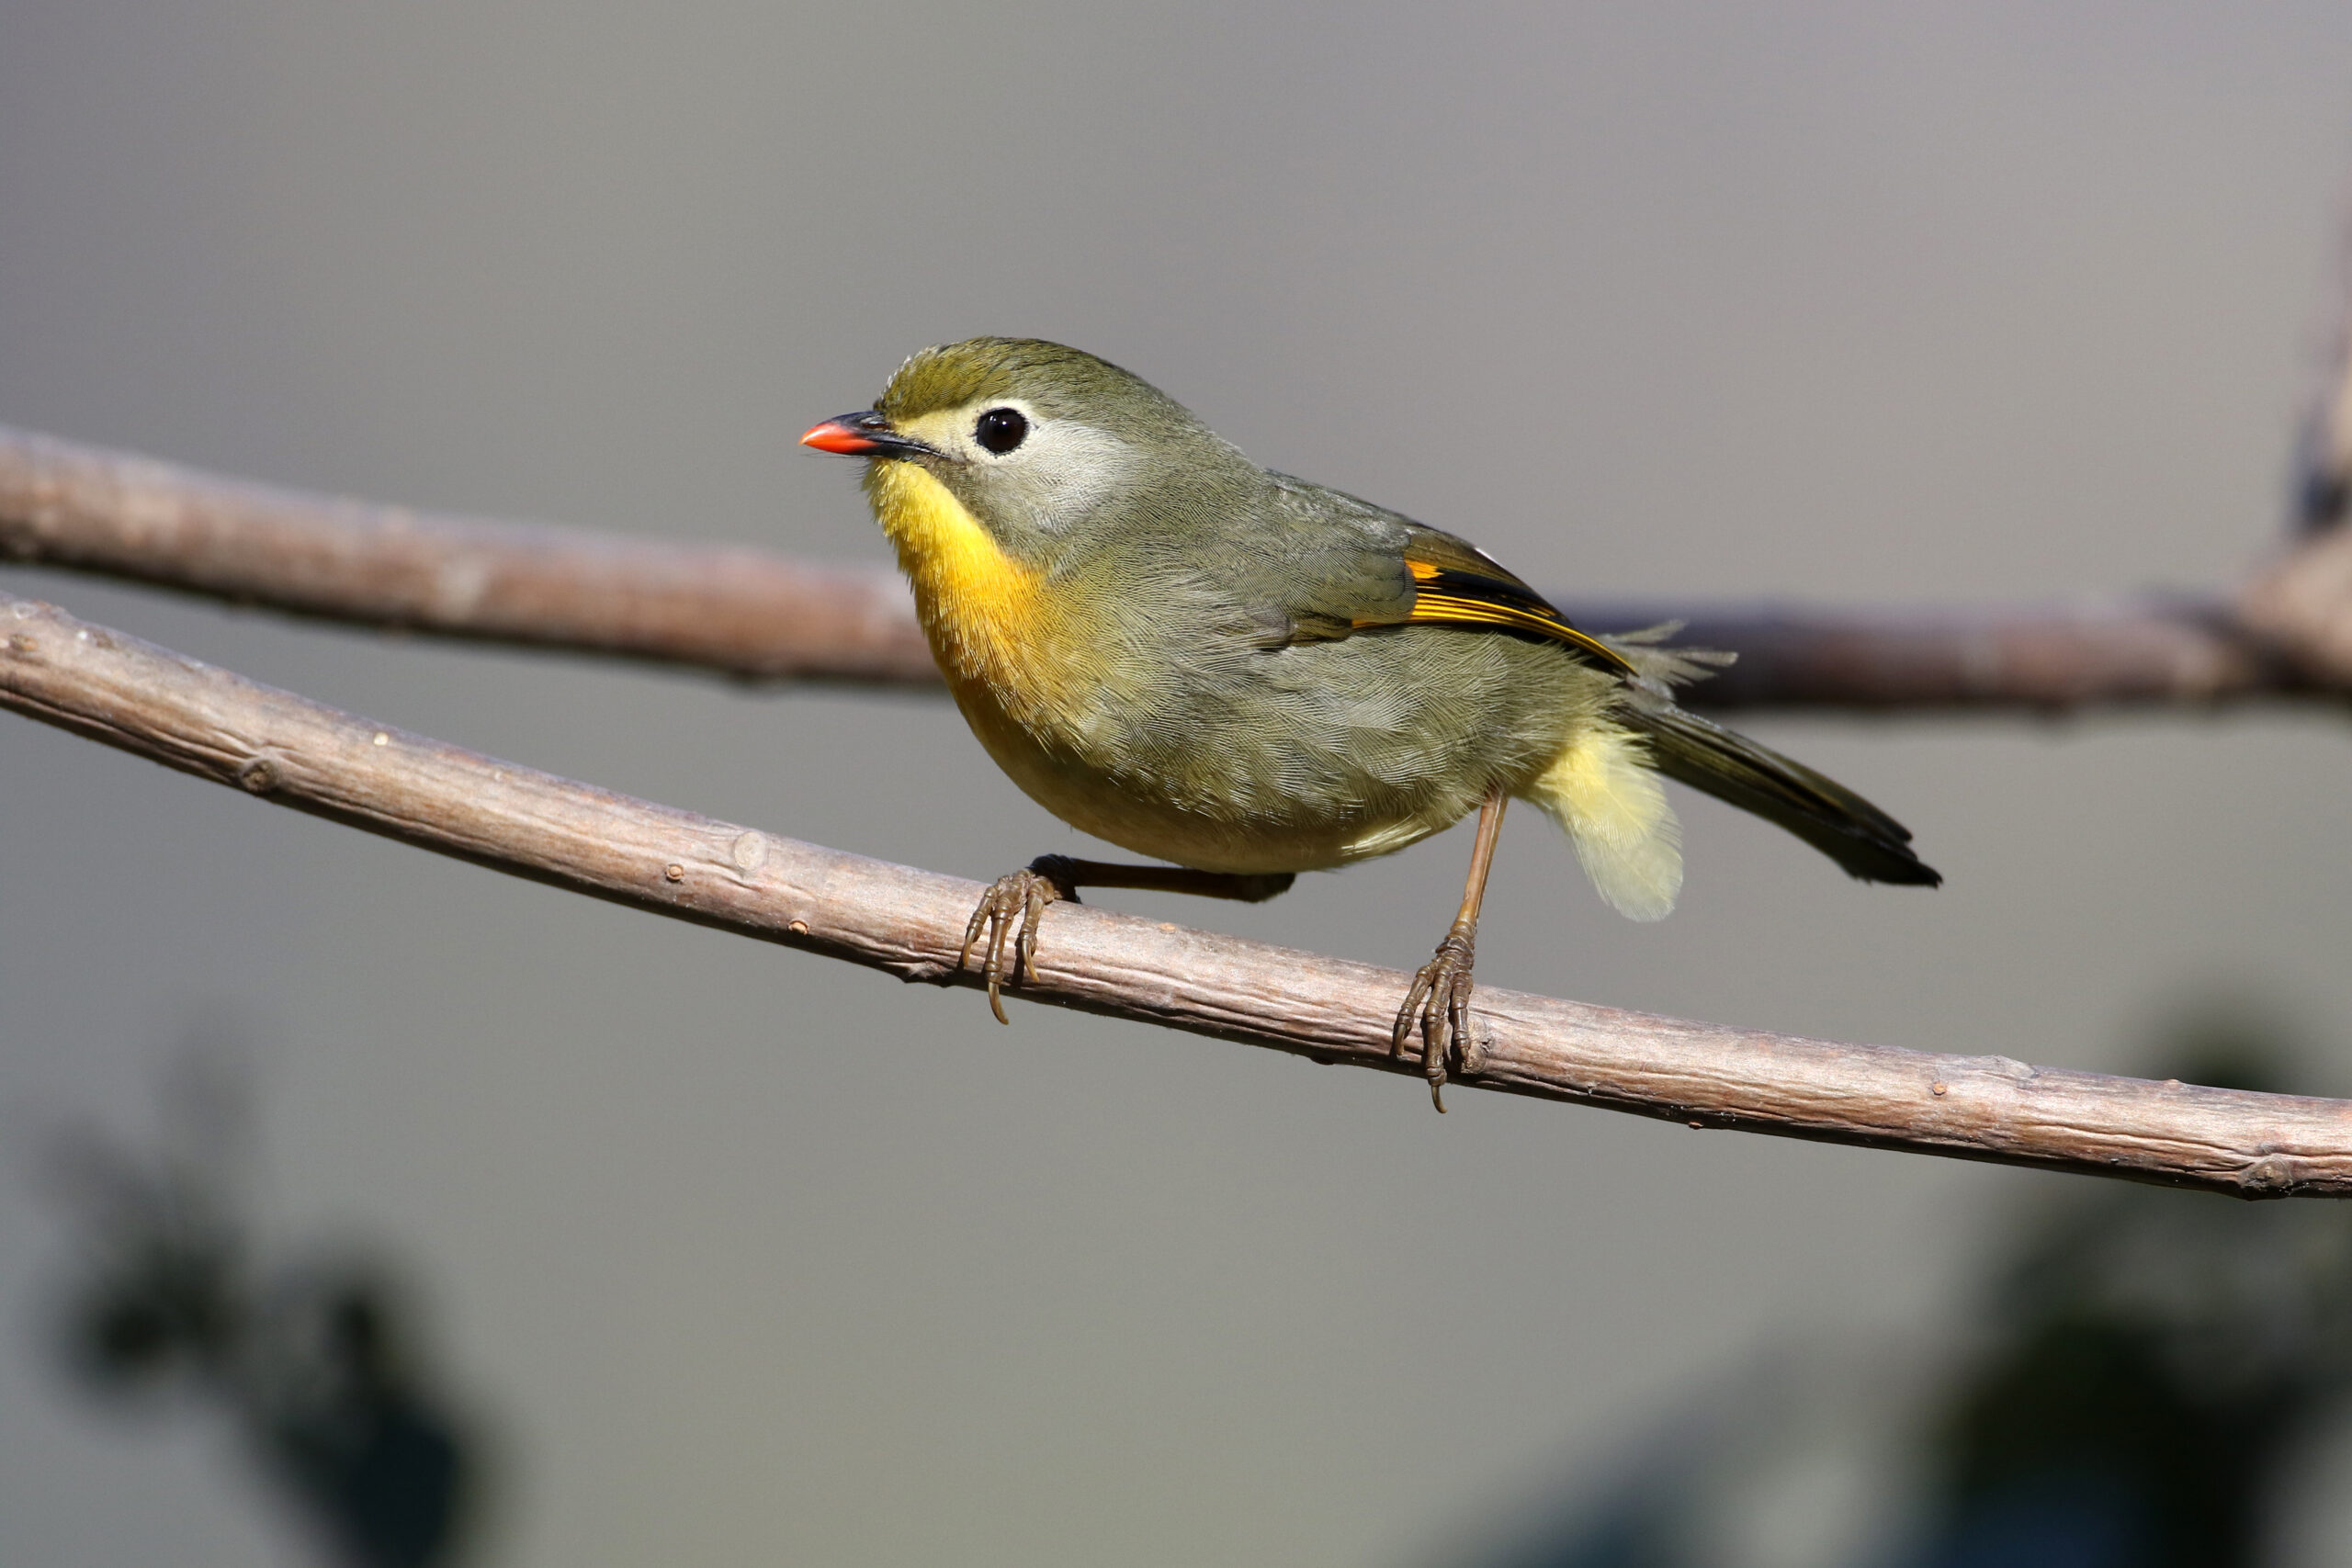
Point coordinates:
[[1440, 1002], [1019, 897]]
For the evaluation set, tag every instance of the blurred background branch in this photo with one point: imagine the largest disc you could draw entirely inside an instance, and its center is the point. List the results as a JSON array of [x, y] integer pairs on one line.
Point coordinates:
[[761, 616], [287, 749], [739, 611], [316, 1356]]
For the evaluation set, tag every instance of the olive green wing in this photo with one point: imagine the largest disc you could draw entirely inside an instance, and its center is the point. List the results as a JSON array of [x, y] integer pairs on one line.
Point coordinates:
[[1354, 568]]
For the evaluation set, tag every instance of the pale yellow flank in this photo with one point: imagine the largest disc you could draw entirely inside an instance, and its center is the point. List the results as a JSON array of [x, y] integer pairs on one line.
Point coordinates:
[[1600, 789]]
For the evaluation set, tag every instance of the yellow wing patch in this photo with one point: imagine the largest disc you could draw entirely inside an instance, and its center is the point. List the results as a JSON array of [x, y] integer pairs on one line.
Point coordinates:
[[1446, 595]]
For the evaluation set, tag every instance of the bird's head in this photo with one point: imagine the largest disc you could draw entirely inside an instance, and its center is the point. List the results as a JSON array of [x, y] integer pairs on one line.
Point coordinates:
[[1033, 438]]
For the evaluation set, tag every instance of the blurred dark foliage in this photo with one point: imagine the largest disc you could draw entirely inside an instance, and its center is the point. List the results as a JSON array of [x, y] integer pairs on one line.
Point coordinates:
[[2150, 1369], [314, 1360]]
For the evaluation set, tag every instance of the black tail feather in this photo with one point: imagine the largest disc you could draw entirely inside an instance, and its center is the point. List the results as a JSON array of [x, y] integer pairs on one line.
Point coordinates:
[[1868, 843]]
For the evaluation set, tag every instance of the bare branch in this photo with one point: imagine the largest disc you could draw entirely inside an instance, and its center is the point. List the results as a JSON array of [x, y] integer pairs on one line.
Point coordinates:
[[296, 753], [760, 616], [2149, 650], [740, 612]]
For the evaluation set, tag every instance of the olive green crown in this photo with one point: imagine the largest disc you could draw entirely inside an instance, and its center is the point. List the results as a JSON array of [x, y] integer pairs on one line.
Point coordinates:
[[1055, 380]]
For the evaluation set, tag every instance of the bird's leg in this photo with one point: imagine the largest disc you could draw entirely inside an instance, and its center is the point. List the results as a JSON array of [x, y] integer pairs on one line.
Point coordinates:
[[1015, 902], [1439, 999]]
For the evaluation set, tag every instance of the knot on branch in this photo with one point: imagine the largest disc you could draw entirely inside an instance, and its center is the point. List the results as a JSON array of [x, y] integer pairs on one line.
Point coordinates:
[[2278, 1175]]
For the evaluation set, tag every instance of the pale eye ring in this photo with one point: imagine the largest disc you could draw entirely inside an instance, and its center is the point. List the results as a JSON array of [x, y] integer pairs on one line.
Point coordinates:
[[1002, 431]]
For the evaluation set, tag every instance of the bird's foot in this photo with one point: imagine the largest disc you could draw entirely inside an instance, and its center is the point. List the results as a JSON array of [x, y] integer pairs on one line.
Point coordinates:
[[1440, 1003], [1017, 899]]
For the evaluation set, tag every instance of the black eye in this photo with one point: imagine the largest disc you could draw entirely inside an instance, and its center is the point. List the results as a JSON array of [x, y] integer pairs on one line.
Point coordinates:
[[1001, 430]]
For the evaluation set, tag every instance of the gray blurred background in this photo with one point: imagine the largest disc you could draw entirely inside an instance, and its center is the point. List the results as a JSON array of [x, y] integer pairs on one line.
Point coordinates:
[[750, 1258]]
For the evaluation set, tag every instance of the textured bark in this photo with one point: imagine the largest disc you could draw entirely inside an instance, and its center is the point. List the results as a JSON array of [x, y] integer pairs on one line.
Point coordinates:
[[295, 753], [739, 611], [758, 617]]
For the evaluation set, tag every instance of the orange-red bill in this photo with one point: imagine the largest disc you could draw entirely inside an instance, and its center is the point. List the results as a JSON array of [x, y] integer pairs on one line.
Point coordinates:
[[839, 436], [865, 434]]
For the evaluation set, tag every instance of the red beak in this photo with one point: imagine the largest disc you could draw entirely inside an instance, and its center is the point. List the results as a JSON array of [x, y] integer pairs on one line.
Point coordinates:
[[839, 436], [862, 435]]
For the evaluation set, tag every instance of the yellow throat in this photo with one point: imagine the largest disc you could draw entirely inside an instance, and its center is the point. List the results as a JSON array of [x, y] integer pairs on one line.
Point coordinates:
[[978, 606]]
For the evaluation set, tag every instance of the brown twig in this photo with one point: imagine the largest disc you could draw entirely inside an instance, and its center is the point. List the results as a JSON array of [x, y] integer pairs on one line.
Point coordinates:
[[760, 616], [296, 753], [740, 612], [2149, 650]]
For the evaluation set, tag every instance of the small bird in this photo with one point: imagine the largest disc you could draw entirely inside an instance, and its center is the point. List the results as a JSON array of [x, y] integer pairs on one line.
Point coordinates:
[[1249, 676]]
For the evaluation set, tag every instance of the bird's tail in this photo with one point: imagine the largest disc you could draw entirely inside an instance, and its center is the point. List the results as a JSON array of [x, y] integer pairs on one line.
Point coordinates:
[[1869, 843], [1603, 789]]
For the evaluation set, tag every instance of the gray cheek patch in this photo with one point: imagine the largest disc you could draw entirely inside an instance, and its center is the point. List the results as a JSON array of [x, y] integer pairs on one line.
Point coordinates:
[[1064, 471]]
